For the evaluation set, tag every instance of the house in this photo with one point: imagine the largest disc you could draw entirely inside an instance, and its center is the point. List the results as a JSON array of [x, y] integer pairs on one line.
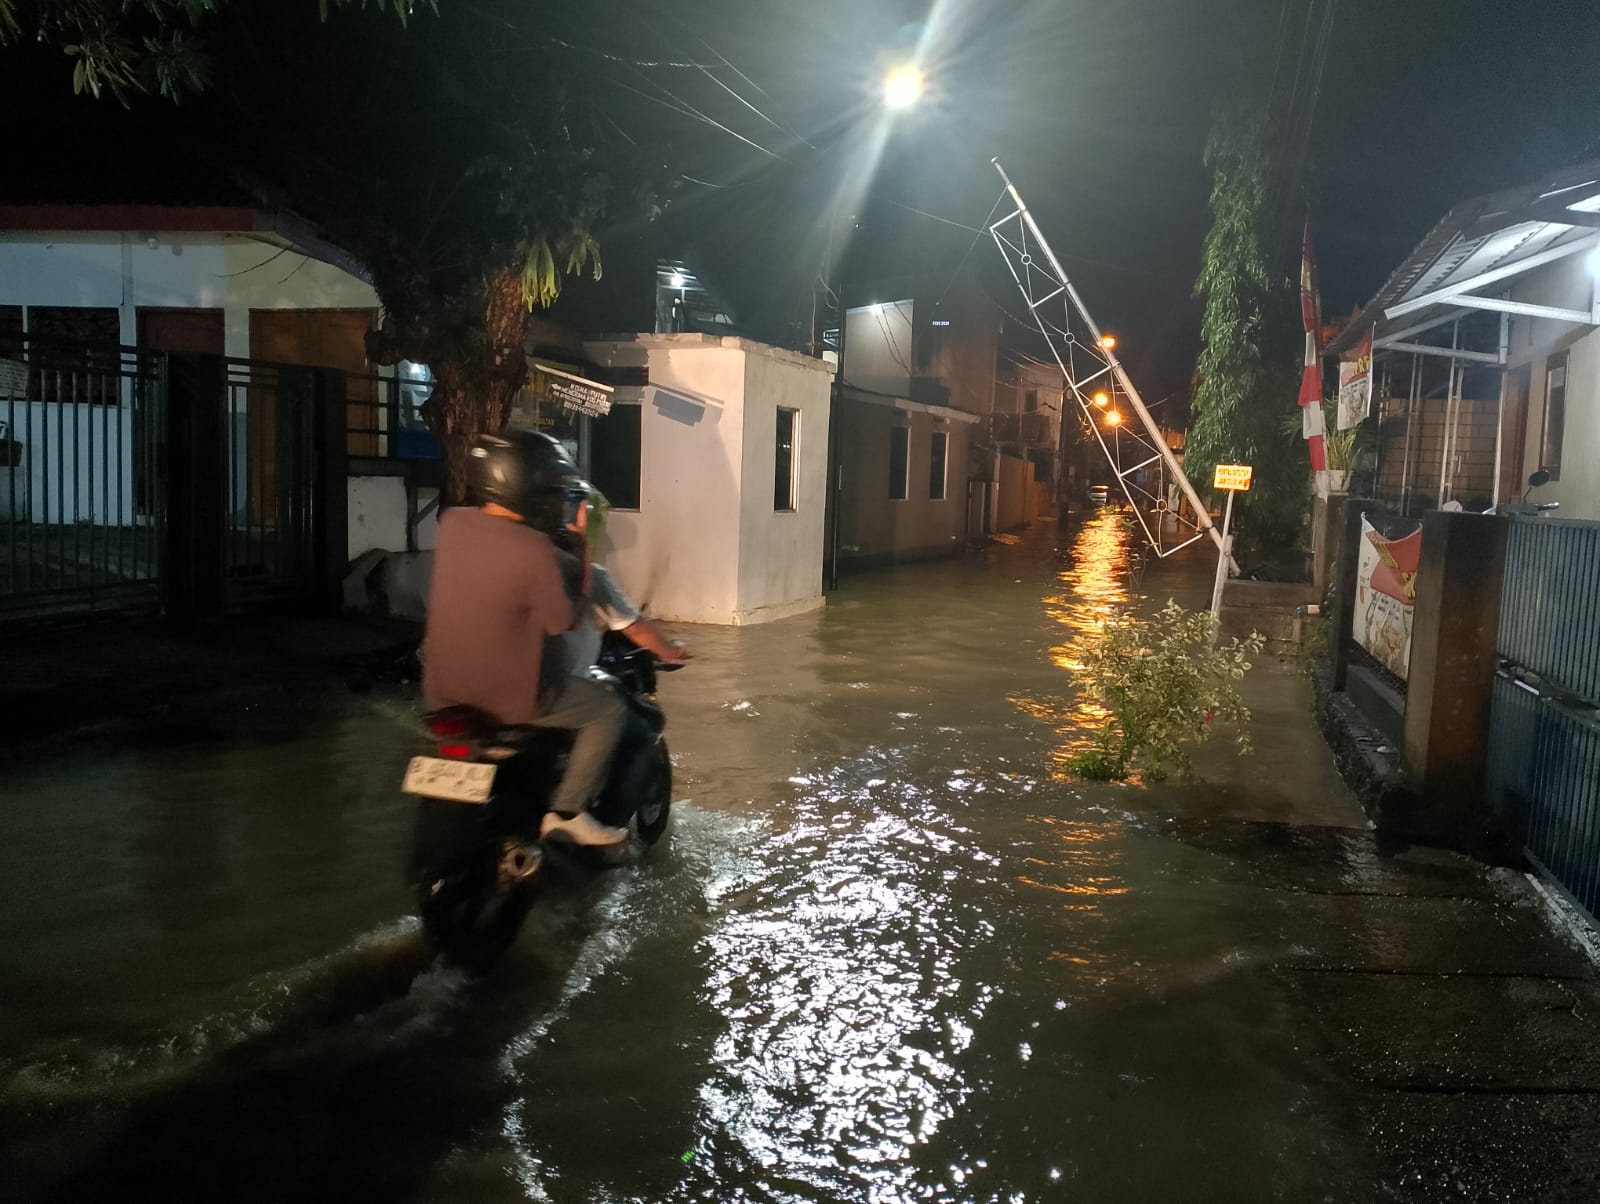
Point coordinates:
[[1486, 353], [713, 460], [230, 280], [936, 446]]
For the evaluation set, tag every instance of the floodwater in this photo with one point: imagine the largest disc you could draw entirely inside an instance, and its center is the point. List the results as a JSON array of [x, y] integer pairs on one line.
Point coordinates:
[[888, 951]]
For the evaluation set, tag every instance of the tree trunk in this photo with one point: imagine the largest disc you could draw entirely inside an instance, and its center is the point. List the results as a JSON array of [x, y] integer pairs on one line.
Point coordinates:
[[473, 390]]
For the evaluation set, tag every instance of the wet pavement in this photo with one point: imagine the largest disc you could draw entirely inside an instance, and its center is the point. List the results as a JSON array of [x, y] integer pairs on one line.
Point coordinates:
[[889, 952]]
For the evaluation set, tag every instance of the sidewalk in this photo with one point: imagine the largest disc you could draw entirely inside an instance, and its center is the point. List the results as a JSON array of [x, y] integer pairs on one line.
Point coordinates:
[[142, 678], [1435, 1009]]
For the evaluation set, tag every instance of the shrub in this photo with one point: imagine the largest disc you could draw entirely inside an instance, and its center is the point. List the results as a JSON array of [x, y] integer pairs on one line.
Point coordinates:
[[1163, 681]]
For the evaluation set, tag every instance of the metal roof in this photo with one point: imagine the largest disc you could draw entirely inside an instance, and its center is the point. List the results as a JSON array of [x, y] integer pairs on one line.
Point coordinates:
[[1480, 244]]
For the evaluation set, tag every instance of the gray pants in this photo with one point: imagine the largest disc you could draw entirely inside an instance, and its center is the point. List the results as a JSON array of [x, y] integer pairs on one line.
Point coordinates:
[[595, 715]]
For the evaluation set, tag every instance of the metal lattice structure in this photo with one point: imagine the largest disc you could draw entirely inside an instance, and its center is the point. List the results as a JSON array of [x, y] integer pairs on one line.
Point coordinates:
[[1090, 368]]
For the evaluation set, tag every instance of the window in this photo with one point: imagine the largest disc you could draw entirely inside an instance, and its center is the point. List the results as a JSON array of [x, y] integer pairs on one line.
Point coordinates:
[[10, 332], [614, 455], [75, 353], [1555, 414], [899, 441], [784, 459], [936, 465], [1030, 402]]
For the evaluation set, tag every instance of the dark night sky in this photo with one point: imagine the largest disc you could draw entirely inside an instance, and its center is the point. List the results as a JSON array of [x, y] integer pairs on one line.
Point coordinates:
[[1099, 111]]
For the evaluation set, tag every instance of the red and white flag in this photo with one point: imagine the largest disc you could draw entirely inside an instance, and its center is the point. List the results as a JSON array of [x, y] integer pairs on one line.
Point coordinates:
[[1311, 424]]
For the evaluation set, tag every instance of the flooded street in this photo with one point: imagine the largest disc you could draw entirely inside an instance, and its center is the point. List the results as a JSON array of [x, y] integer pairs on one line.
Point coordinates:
[[887, 953]]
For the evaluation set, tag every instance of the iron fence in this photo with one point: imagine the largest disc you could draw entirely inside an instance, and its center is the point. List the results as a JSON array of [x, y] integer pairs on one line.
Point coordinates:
[[133, 479], [1543, 777], [82, 500]]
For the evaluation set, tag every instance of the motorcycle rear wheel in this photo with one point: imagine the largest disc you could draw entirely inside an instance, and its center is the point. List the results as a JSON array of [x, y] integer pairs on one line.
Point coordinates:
[[470, 919]]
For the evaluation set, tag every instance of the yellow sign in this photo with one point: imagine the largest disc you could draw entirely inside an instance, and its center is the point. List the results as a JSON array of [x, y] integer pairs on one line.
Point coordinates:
[[1233, 477]]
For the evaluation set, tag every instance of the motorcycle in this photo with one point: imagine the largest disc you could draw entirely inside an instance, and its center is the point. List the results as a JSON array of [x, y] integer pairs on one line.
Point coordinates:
[[476, 857]]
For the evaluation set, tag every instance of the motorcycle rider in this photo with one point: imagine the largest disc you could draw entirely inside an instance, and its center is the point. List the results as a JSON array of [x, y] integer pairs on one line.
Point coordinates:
[[497, 596]]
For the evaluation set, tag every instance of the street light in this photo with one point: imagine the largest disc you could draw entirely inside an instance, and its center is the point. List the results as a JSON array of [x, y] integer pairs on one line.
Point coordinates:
[[1113, 419], [903, 87], [1101, 400], [1108, 341]]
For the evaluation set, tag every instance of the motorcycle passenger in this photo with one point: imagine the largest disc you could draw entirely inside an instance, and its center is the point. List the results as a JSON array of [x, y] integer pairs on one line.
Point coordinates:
[[497, 596], [604, 606]]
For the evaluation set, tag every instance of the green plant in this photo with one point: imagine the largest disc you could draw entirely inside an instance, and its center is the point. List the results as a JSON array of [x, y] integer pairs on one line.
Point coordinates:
[[1340, 447], [1313, 649], [1249, 368], [1162, 680]]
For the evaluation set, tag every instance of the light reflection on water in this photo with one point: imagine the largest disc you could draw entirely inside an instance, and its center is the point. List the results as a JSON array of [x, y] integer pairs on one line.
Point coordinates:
[[1095, 586], [844, 995]]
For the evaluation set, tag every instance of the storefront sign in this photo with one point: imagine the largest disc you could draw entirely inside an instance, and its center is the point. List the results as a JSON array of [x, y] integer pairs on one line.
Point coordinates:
[[1386, 596], [574, 392], [1232, 477], [1355, 385]]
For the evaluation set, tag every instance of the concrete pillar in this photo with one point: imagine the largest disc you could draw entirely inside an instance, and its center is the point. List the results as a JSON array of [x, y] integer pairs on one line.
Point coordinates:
[[196, 482], [1344, 556], [1326, 517], [331, 496], [1453, 637]]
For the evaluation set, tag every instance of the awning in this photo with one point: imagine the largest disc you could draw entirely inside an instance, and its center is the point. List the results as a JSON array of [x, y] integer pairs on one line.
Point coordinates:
[[1471, 258], [891, 402]]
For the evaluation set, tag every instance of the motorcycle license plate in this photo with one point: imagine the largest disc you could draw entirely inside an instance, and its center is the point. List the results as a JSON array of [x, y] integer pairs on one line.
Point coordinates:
[[453, 781]]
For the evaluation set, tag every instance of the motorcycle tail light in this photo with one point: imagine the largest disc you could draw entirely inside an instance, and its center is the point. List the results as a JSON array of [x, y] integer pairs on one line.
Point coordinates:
[[455, 752], [447, 727]]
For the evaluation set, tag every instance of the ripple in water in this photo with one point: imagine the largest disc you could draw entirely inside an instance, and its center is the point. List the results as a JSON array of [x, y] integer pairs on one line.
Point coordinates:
[[843, 991]]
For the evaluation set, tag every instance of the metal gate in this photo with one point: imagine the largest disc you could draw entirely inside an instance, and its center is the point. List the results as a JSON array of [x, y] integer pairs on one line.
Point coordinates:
[[1544, 735], [134, 480], [82, 495]]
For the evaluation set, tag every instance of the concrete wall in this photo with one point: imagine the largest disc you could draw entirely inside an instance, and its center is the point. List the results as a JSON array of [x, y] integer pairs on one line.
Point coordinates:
[[963, 353], [377, 516], [878, 347], [1019, 498], [875, 527], [780, 553], [705, 545], [1570, 285]]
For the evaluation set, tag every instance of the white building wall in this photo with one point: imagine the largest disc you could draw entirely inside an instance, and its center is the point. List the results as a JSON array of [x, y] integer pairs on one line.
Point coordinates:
[[705, 545], [780, 553], [232, 272], [1569, 284], [678, 554]]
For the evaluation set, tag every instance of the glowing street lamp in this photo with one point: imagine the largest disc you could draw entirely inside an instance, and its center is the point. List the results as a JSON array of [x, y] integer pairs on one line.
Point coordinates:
[[1113, 419], [1101, 400], [903, 87], [1108, 341]]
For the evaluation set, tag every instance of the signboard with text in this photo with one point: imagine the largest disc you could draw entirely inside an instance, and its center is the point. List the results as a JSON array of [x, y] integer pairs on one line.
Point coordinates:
[[1235, 478], [1355, 385], [1386, 596], [573, 392]]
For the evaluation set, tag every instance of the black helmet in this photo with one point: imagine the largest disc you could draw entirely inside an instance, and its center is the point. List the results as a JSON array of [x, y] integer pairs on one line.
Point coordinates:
[[527, 472]]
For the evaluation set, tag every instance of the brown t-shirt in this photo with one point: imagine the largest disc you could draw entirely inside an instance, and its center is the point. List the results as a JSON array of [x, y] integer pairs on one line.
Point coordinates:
[[496, 597]]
